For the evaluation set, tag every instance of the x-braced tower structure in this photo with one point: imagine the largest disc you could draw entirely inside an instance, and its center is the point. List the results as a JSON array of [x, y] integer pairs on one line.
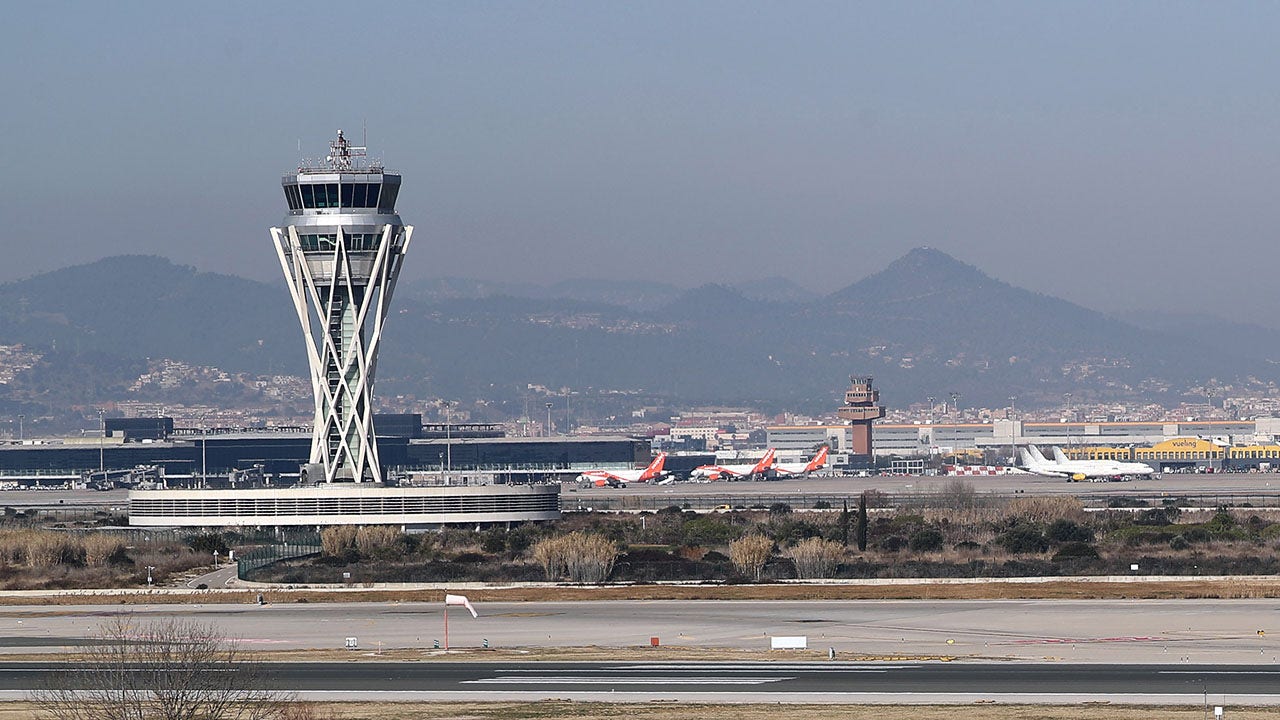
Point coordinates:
[[341, 249]]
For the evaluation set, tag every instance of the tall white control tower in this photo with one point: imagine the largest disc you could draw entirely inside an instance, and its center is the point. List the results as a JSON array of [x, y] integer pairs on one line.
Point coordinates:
[[341, 249]]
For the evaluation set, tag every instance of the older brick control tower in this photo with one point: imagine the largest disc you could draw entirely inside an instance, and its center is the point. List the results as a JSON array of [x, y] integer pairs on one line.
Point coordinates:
[[861, 408]]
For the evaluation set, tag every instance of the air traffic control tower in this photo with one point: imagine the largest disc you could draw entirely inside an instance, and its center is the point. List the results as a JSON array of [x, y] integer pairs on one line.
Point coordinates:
[[341, 249]]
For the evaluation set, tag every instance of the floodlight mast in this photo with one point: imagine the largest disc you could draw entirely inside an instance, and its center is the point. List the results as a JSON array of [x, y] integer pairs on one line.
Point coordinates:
[[341, 249]]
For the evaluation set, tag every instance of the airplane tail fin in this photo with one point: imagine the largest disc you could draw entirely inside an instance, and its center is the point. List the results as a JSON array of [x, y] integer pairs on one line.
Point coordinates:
[[1058, 455], [1035, 453], [1024, 457], [765, 463], [819, 461], [655, 467]]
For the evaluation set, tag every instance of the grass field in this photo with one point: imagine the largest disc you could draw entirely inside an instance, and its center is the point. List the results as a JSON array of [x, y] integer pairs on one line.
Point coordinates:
[[1057, 589]]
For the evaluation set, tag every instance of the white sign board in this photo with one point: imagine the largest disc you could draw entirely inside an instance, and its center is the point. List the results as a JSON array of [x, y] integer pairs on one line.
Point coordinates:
[[352, 643], [794, 642]]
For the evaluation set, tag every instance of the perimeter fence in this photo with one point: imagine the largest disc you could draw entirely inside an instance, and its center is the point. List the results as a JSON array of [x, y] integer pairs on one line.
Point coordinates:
[[292, 545]]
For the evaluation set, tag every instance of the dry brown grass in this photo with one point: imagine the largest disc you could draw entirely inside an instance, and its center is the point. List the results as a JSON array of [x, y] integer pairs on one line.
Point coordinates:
[[682, 711], [987, 589]]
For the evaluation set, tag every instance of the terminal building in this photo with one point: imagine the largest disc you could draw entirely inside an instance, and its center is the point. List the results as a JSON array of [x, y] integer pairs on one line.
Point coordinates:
[[1239, 444]]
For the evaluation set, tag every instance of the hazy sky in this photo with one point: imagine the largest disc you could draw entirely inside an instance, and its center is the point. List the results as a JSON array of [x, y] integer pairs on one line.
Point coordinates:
[[1117, 154]]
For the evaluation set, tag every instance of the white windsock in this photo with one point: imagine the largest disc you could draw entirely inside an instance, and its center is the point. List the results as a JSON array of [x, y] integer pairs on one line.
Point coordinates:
[[460, 600]]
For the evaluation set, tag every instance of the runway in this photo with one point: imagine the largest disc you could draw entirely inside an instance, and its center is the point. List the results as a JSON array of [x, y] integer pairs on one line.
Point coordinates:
[[749, 682], [1217, 632]]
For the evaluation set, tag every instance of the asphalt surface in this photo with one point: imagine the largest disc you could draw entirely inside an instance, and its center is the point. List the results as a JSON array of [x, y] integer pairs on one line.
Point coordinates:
[[1220, 632], [752, 682]]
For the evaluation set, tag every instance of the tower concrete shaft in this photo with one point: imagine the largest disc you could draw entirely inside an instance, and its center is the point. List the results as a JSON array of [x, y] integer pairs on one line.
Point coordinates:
[[861, 408], [341, 250]]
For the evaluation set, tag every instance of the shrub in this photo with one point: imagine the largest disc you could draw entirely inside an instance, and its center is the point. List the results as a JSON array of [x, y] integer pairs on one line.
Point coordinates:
[[779, 508], [822, 505], [378, 541], [1066, 531], [582, 557], [338, 540], [1154, 516], [1178, 542], [44, 549], [1046, 509], [1023, 539], [99, 548], [208, 543], [494, 542], [550, 554], [926, 539], [589, 558], [707, 530], [892, 543], [815, 557], [750, 553], [1075, 551]]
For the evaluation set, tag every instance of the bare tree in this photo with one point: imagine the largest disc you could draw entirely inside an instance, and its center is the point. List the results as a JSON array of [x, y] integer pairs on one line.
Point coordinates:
[[168, 670]]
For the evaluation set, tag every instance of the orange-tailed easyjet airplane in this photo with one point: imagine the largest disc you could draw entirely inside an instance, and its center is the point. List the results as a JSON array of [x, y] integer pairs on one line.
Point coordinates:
[[620, 478], [734, 472], [818, 462]]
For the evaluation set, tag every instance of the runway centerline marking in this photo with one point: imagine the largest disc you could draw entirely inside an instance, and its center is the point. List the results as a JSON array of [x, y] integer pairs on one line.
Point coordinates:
[[623, 680]]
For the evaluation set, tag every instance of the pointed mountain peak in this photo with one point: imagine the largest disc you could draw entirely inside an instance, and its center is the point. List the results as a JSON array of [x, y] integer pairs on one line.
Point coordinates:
[[923, 269], [932, 261]]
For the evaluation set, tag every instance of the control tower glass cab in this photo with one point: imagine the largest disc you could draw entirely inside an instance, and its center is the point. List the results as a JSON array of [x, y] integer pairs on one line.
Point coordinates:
[[341, 248]]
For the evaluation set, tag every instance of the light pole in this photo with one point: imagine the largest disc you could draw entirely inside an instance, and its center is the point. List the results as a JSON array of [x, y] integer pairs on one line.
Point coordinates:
[[1013, 432], [149, 569], [204, 455], [931, 400], [448, 435], [102, 441], [955, 403], [549, 405], [20, 417]]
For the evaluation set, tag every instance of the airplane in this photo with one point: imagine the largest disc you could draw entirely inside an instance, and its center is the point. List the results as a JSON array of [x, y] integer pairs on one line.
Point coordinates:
[[733, 472], [818, 462], [1114, 467], [620, 478], [1035, 461]]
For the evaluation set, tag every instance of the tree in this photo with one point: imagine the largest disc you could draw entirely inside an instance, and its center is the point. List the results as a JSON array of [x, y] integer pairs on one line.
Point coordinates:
[[170, 670], [862, 522], [844, 523]]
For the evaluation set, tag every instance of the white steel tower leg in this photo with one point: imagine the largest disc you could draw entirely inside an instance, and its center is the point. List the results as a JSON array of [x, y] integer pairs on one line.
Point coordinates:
[[342, 297]]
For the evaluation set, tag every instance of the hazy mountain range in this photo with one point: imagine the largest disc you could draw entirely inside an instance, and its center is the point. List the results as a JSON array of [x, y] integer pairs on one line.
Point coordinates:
[[927, 324]]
